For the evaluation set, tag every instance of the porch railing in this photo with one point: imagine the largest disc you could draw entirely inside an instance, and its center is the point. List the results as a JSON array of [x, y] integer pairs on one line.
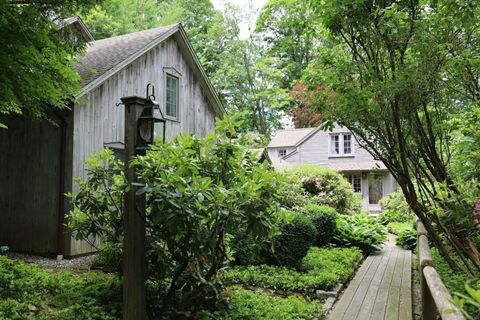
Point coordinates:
[[435, 295]]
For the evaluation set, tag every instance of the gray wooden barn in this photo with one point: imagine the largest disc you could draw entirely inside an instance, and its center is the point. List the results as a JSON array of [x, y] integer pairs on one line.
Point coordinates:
[[39, 161]]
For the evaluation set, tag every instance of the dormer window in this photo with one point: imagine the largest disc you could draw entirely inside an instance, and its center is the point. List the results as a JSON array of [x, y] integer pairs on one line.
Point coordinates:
[[335, 144], [341, 144], [347, 144], [282, 153]]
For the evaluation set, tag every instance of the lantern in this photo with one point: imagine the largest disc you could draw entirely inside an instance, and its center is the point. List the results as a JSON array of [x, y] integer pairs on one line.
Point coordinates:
[[151, 123]]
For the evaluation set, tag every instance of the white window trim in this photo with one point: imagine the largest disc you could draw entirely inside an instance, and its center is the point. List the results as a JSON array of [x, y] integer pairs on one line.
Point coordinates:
[[350, 177], [340, 135], [171, 71], [278, 152]]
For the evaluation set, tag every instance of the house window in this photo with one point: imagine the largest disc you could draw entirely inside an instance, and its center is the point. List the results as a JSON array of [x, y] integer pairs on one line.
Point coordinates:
[[171, 94], [282, 153], [356, 182], [335, 144], [341, 144], [347, 144]]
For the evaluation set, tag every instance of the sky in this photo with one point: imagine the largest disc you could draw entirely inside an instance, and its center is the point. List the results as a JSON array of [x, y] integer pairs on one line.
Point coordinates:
[[256, 4]]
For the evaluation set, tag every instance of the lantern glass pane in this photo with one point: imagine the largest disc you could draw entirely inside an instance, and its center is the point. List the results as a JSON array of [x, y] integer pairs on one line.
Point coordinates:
[[158, 130], [145, 131]]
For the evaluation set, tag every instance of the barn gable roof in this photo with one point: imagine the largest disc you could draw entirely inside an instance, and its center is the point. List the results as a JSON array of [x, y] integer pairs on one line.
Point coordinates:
[[106, 57]]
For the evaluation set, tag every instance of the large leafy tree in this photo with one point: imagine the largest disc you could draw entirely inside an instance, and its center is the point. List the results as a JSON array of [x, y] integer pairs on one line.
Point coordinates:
[[36, 58], [398, 72], [249, 79], [117, 17], [290, 30]]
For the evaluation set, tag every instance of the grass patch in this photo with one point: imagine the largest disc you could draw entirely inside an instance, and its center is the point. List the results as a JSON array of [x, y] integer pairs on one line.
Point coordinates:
[[397, 227], [248, 304], [30, 292], [322, 268]]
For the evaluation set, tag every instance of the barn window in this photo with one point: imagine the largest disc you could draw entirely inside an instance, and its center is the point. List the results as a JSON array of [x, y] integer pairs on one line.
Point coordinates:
[[282, 152], [171, 94]]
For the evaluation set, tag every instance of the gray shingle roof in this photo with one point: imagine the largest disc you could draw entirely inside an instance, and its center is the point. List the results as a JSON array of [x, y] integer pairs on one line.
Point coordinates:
[[289, 137], [103, 55]]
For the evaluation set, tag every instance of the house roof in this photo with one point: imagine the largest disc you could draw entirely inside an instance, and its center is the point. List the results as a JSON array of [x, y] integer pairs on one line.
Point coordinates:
[[358, 166], [291, 137], [106, 57]]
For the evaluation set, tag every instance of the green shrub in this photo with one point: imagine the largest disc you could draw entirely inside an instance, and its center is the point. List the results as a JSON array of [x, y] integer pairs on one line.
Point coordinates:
[[407, 238], [293, 195], [395, 208], [247, 304], [327, 187], [292, 245], [471, 299], [397, 227], [246, 249], [322, 268], [325, 220], [359, 231], [389, 216]]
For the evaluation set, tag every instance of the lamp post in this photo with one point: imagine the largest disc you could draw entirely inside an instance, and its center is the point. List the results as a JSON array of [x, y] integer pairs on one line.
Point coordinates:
[[143, 120]]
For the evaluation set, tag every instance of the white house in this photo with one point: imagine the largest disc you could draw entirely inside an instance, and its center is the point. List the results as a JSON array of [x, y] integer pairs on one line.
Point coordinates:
[[338, 150]]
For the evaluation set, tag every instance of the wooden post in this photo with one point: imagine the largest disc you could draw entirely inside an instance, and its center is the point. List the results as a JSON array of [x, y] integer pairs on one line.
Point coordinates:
[[134, 261], [425, 259], [428, 304]]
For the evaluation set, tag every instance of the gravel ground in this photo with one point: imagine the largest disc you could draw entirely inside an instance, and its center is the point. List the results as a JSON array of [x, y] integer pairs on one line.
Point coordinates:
[[80, 263]]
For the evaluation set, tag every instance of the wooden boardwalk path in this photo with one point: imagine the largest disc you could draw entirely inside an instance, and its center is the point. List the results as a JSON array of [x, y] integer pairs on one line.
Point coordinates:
[[381, 289]]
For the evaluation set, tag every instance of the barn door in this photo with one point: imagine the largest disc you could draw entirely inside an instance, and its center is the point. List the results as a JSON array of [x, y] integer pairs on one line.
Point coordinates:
[[30, 185]]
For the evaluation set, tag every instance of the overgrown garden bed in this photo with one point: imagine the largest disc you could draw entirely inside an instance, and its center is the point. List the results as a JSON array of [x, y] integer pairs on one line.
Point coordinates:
[[321, 269]]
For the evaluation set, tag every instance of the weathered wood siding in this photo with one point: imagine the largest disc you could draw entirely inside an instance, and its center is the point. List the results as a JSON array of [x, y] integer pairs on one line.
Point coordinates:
[[98, 121], [30, 185]]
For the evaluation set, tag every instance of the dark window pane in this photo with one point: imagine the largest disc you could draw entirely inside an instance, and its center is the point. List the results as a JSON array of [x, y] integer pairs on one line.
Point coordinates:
[[171, 96]]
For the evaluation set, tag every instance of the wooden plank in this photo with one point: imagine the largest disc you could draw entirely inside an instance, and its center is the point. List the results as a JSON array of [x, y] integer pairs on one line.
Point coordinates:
[[369, 301], [393, 301], [342, 305], [443, 299], [378, 311], [424, 253], [405, 312], [358, 299]]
